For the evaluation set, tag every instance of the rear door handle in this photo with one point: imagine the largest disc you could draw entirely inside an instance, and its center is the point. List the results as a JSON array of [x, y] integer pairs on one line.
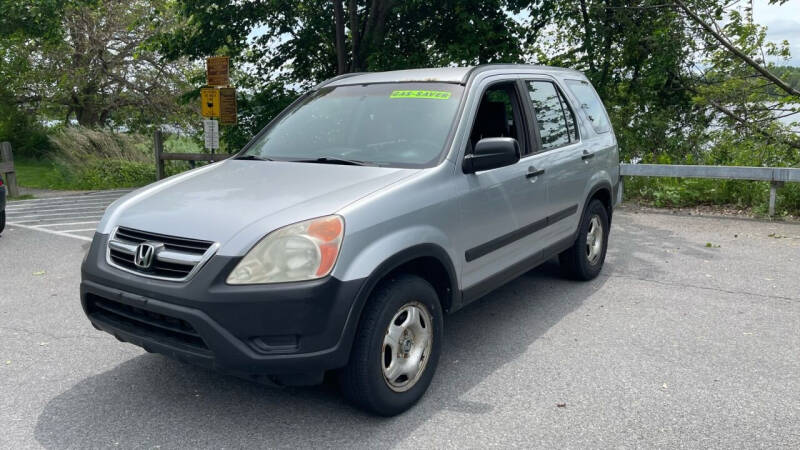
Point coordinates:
[[532, 172], [587, 155]]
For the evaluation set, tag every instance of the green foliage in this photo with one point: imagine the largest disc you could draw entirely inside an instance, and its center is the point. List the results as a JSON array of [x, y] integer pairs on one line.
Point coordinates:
[[295, 46], [113, 173], [27, 137], [82, 60], [730, 150], [82, 158]]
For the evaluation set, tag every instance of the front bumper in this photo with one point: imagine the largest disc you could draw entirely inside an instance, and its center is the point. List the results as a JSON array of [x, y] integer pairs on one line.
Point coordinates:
[[289, 328]]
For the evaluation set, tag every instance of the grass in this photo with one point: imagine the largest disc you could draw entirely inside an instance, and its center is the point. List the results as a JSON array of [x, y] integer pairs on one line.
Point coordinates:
[[90, 160], [40, 174]]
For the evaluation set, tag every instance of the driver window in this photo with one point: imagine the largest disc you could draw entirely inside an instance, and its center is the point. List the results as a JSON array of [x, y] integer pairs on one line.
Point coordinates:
[[498, 115]]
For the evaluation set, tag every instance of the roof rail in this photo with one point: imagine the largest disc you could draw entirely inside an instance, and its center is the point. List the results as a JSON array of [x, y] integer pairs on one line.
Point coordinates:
[[336, 78]]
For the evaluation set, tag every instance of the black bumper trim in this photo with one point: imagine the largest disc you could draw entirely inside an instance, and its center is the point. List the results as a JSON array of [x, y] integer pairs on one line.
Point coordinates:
[[321, 314]]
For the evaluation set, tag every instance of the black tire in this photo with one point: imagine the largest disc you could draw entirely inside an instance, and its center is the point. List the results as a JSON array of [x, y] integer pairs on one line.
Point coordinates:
[[363, 381], [2, 220], [575, 261]]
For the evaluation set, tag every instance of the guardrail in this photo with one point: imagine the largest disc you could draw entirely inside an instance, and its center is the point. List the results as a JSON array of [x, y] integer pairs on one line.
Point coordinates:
[[7, 169], [776, 176], [158, 147]]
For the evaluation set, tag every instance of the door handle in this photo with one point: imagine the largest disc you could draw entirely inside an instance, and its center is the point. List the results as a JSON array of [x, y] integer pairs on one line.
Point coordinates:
[[587, 155], [532, 172]]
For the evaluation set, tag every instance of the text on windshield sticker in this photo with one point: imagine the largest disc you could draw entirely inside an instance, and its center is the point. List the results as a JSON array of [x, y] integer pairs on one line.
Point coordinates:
[[438, 95]]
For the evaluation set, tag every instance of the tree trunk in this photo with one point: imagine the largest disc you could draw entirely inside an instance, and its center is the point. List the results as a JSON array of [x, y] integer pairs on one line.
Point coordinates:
[[355, 27], [587, 37], [338, 14]]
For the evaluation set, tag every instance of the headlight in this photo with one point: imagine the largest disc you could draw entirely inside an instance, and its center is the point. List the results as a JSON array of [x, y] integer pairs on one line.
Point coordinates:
[[301, 251]]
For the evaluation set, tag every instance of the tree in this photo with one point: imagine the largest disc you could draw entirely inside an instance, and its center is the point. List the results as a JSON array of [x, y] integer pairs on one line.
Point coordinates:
[[631, 51], [289, 46], [85, 62]]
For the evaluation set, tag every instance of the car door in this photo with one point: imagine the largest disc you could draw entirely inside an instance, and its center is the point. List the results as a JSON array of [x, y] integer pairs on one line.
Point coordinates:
[[496, 205], [560, 157]]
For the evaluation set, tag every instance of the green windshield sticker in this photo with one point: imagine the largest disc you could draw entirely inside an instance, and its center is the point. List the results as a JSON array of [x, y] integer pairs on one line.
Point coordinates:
[[439, 95]]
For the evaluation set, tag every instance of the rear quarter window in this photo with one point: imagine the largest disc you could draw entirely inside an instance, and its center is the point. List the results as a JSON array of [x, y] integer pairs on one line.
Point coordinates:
[[590, 103]]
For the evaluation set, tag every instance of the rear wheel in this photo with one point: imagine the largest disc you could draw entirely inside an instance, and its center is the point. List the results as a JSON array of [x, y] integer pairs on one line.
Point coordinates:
[[584, 260], [397, 347], [2, 220]]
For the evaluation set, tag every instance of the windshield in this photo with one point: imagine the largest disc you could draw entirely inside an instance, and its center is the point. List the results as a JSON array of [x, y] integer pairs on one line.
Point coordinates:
[[396, 124]]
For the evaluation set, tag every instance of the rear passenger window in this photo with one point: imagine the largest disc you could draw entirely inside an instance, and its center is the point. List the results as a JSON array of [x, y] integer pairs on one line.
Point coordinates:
[[591, 104], [557, 126]]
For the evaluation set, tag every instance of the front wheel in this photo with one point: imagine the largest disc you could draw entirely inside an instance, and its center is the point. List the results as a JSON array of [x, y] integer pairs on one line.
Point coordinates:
[[396, 348], [584, 260]]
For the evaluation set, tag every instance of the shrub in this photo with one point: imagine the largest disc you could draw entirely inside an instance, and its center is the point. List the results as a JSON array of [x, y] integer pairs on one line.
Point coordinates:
[[728, 150], [113, 173], [83, 158], [77, 145], [27, 137]]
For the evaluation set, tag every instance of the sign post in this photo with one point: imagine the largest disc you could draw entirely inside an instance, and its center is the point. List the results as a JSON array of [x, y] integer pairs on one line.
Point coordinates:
[[211, 134], [227, 106], [217, 71], [217, 100], [209, 101]]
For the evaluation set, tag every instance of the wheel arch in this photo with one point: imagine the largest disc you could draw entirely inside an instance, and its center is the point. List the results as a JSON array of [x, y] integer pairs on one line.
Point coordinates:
[[601, 191], [429, 261]]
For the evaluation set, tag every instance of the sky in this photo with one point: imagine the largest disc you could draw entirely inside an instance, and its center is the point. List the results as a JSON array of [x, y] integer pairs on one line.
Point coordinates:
[[782, 22]]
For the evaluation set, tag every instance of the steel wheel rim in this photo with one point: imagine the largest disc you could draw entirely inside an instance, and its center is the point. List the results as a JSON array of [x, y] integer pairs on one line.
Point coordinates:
[[594, 240], [406, 346]]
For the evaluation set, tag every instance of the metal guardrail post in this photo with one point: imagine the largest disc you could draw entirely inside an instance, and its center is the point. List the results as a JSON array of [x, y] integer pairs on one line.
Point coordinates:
[[773, 194], [7, 168], [158, 147]]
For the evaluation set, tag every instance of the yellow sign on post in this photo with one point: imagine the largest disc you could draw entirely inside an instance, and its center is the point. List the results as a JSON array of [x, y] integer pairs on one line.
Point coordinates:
[[209, 102], [217, 71], [227, 106]]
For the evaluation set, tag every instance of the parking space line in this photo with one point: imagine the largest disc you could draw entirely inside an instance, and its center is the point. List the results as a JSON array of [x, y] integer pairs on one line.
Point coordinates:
[[57, 233], [65, 224], [92, 211], [98, 194], [85, 216], [59, 207], [67, 216]]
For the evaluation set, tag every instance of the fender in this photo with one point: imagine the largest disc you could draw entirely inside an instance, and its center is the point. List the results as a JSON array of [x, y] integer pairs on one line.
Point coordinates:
[[602, 185], [599, 180], [386, 267]]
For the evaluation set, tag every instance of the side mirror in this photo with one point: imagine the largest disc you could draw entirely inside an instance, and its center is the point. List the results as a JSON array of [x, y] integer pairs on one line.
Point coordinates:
[[491, 153]]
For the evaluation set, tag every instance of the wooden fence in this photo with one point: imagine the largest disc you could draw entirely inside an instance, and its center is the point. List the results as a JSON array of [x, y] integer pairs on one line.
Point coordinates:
[[160, 156], [7, 169]]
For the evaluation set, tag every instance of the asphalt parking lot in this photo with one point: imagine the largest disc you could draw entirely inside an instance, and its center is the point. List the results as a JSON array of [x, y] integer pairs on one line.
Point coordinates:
[[690, 338]]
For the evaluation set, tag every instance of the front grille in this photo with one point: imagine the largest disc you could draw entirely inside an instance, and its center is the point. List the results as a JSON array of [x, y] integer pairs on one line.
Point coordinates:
[[176, 259], [170, 242], [142, 322]]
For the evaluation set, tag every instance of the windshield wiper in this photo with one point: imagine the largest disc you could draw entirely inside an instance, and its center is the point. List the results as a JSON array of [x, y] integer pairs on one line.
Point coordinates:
[[252, 158], [333, 160]]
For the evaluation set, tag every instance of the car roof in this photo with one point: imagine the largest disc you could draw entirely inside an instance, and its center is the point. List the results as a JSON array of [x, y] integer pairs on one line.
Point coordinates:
[[458, 75]]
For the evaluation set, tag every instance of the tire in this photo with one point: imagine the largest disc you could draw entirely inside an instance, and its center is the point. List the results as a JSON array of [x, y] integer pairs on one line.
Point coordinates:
[[582, 261], [373, 379], [2, 220]]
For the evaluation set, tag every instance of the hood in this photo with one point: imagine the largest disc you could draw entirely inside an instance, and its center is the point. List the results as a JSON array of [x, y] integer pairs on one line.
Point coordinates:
[[217, 201]]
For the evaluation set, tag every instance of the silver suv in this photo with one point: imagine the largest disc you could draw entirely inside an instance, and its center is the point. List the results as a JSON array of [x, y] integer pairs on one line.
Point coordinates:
[[338, 238]]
